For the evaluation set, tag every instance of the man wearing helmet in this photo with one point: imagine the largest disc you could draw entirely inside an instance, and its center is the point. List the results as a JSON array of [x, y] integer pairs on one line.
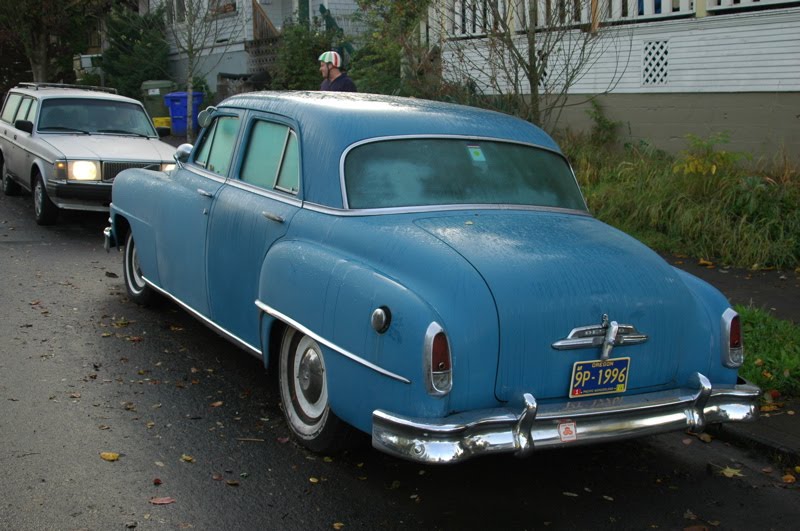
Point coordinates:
[[334, 79]]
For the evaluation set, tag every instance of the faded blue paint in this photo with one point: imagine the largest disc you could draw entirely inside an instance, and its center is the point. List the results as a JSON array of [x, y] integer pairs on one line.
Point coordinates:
[[504, 284]]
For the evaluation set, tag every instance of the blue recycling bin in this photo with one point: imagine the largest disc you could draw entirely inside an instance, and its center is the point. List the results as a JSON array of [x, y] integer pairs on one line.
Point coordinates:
[[177, 103]]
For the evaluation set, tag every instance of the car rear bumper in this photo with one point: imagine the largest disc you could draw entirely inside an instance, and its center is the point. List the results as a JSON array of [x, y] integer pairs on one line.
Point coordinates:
[[503, 430]]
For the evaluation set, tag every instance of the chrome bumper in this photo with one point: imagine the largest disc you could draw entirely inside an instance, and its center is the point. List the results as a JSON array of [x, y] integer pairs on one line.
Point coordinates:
[[503, 430]]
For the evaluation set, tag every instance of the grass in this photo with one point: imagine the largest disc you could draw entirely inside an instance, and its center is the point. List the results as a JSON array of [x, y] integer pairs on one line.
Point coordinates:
[[703, 203], [772, 351]]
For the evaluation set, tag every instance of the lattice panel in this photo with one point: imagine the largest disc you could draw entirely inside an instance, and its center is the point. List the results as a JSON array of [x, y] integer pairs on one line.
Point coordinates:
[[655, 63]]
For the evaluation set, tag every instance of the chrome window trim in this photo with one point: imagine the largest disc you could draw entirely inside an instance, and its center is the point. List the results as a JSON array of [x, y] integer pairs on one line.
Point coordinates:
[[323, 209], [349, 148], [209, 323], [319, 339], [283, 197]]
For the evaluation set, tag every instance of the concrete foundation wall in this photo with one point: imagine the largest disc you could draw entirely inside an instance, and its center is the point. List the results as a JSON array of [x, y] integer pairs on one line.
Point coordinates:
[[765, 125]]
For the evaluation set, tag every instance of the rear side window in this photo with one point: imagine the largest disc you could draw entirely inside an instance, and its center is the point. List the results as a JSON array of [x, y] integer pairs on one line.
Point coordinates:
[[271, 159], [22, 113], [10, 109], [216, 150]]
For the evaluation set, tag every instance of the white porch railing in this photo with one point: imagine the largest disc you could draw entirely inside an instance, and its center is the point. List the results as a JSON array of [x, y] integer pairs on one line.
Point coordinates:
[[474, 18]]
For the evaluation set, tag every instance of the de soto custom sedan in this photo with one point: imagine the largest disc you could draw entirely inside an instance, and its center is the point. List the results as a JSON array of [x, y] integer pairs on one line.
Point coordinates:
[[428, 274]]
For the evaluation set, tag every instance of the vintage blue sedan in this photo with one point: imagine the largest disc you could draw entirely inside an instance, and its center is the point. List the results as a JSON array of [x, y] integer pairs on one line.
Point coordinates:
[[426, 273]]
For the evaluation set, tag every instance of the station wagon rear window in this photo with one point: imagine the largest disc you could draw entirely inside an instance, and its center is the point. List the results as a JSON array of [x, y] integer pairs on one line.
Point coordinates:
[[447, 171]]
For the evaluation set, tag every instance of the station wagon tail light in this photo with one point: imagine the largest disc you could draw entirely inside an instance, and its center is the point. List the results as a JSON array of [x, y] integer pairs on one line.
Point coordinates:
[[78, 170], [437, 361], [732, 345]]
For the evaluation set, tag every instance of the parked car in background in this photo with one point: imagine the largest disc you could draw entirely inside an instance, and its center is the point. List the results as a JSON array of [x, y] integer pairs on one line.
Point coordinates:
[[66, 143], [427, 273]]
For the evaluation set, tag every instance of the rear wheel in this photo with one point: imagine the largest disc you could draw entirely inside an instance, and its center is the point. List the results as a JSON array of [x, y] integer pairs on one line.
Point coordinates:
[[138, 290], [304, 392], [9, 186], [45, 211]]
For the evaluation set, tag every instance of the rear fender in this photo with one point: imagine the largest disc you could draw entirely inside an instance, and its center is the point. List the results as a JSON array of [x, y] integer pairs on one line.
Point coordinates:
[[334, 297]]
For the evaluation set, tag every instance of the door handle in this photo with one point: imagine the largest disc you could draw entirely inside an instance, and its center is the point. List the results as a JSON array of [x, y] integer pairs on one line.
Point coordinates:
[[204, 193], [272, 217]]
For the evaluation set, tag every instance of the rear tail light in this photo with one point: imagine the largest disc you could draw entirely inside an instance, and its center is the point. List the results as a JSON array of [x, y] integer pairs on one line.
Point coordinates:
[[731, 341], [438, 361]]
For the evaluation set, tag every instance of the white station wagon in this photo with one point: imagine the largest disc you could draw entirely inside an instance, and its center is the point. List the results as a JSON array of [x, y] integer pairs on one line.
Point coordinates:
[[66, 143]]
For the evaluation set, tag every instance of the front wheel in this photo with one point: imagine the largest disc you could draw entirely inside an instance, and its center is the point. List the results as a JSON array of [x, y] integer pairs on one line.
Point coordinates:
[[304, 392], [45, 211], [138, 290]]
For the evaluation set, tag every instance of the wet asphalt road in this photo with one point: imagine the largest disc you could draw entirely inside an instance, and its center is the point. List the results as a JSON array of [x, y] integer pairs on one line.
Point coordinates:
[[84, 371]]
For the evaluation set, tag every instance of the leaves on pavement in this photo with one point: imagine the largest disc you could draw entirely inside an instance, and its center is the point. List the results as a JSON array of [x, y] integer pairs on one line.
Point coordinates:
[[166, 500], [109, 456]]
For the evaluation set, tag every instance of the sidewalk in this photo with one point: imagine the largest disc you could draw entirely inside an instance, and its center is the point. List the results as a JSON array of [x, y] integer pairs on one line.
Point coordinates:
[[776, 433]]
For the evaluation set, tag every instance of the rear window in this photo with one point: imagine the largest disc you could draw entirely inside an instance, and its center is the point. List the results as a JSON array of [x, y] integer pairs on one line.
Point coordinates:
[[445, 171]]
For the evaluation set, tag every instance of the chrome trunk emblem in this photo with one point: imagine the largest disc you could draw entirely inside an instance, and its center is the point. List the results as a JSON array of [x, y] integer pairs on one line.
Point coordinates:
[[607, 335]]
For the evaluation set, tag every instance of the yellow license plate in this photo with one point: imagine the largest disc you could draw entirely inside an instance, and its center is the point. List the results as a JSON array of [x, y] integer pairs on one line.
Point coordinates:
[[599, 377]]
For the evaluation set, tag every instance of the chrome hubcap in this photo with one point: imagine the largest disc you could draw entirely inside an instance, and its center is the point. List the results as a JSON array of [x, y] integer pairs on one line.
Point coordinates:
[[310, 376]]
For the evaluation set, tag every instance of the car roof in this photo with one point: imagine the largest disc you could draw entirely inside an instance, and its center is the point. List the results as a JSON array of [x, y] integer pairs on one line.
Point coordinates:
[[330, 122], [54, 90]]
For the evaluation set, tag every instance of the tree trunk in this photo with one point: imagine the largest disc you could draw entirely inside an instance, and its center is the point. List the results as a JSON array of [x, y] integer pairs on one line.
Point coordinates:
[[37, 55]]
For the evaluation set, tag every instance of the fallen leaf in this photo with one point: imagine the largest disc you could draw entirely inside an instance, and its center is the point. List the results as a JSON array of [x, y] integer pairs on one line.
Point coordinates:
[[729, 472], [217, 403], [338, 525], [705, 437], [175, 328], [109, 274], [767, 470], [283, 440], [187, 458], [109, 456], [705, 263], [797, 469], [769, 407], [135, 339], [106, 334], [159, 463], [162, 501], [75, 395], [687, 441], [570, 494], [789, 478], [327, 459], [157, 482], [216, 476], [608, 498], [103, 427], [232, 483], [314, 480]]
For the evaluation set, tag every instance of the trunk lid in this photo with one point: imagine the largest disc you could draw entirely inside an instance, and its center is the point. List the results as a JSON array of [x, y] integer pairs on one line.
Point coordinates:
[[550, 273]]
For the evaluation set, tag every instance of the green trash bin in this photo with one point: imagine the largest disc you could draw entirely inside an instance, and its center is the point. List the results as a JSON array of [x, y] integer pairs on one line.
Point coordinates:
[[153, 98]]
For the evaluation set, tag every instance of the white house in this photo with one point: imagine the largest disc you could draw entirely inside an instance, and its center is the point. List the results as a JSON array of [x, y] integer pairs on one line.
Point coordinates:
[[675, 66], [234, 34]]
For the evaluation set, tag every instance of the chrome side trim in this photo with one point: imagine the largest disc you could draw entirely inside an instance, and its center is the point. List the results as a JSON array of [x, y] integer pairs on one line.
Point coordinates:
[[241, 343], [322, 209], [319, 339], [470, 434]]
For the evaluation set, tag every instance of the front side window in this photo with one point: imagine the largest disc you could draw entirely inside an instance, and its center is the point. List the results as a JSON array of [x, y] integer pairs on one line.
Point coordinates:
[[271, 159], [446, 171], [10, 109], [94, 116], [216, 148]]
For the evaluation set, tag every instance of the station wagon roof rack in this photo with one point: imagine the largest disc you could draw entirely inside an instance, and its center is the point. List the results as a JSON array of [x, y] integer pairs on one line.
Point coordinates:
[[37, 86]]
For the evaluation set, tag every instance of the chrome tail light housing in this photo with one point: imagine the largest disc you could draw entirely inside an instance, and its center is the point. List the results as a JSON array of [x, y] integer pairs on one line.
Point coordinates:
[[731, 341], [437, 360]]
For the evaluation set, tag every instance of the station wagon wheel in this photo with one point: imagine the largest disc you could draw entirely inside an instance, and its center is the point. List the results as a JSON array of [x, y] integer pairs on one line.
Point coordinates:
[[138, 290], [304, 392], [9, 186], [44, 210]]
